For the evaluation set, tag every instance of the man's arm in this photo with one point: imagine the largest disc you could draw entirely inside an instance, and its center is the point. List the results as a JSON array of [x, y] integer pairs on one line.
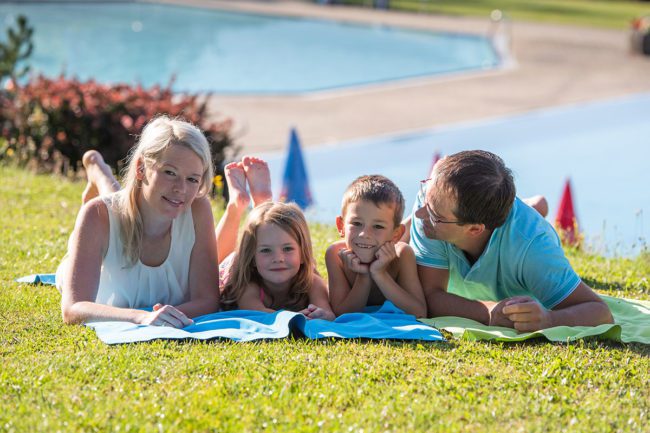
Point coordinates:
[[441, 303], [582, 307]]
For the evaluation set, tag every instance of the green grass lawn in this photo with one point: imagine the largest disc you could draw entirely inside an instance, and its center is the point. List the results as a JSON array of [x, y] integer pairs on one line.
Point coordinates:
[[56, 377], [615, 14]]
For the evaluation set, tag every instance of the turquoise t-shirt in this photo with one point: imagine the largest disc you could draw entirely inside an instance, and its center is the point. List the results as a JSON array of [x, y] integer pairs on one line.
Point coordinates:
[[523, 257]]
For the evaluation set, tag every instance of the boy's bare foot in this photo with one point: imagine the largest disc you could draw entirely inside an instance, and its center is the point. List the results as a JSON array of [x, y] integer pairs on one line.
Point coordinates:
[[539, 203], [259, 179], [99, 175], [236, 180]]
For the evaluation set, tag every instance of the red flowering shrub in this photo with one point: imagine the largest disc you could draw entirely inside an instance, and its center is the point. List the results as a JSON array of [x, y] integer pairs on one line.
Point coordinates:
[[48, 124]]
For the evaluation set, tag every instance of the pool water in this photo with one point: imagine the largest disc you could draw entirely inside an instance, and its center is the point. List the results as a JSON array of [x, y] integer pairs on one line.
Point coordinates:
[[225, 52], [604, 148]]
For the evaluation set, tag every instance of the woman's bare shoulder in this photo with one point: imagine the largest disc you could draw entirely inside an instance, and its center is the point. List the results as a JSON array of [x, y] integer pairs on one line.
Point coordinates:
[[94, 213]]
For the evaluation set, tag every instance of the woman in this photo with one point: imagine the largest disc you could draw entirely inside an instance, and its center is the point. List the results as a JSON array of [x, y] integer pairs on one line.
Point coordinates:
[[135, 247]]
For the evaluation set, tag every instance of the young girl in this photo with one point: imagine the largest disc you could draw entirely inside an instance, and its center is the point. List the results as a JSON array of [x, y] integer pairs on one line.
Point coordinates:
[[273, 266], [138, 247]]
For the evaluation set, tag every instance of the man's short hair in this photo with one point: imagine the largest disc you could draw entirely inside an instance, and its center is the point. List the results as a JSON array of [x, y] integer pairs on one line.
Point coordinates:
[[377, 189], [481, 184]]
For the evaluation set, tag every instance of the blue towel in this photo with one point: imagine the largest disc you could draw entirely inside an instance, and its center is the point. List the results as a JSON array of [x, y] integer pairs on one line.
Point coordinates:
[[377, 323], [388, 322], [49, 279]]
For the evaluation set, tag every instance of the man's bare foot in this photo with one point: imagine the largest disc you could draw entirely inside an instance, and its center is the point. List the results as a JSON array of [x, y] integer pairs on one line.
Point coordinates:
[[539, 203], [259, 179], [236, 180], [100, 177]]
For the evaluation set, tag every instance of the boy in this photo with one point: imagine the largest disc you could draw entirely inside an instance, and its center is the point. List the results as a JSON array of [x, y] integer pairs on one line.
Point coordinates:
[[370, 265]]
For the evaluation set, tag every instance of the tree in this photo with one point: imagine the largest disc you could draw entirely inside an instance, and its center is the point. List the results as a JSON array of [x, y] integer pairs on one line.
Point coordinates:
[[18, 48]]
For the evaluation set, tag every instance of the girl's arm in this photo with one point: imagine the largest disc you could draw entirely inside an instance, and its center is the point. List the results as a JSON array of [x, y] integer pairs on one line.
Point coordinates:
[[319, 304], [405, 291], [204, 269], [251, 300], [88, 246], [343, 297]]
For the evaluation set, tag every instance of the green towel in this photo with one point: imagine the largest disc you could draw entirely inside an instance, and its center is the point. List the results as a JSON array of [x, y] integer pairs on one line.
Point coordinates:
[[631, 325]]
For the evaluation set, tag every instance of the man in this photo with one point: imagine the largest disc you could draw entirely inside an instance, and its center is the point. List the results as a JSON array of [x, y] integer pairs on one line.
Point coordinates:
[[484, 254]]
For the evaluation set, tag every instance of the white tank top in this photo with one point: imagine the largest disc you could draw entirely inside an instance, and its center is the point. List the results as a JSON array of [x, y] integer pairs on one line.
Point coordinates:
[[141, 286]]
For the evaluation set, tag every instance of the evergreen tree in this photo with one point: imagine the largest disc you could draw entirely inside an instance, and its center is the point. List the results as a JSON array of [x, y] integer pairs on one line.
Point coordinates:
[[16, 49]]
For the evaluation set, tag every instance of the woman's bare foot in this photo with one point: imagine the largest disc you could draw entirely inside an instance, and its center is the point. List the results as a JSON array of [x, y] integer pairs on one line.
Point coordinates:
[[259, 179], [100, 177], [236, 180], [539, 203]]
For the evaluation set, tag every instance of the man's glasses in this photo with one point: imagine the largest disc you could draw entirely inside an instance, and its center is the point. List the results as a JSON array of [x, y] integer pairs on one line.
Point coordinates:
[[432, 218]]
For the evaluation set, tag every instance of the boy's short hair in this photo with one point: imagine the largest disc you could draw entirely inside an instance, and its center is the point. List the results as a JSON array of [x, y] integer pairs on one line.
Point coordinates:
[[377, 189], [481, 184]]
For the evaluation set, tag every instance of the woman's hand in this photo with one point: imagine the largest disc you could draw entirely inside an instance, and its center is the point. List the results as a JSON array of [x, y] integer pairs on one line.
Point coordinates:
[[166, 315]]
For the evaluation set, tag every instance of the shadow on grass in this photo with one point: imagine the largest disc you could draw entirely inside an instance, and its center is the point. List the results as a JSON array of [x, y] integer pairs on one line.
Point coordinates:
[[451, 345], [620, 288]]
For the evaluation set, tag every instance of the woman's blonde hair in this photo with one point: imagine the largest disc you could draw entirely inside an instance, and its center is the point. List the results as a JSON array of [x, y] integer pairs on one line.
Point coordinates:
[[289, 218], [160, 133]]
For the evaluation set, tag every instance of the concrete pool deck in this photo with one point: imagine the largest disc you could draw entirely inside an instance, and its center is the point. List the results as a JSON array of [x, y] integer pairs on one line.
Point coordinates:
[[553, 65]]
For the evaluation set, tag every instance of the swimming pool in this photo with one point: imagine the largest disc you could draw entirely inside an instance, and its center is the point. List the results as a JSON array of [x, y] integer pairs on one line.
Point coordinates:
[[225, 52], [603, 147]]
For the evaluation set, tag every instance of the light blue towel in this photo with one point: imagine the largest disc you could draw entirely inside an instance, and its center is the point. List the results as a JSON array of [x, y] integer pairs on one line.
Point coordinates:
[[238, 325], [49, 279], [388, 322]]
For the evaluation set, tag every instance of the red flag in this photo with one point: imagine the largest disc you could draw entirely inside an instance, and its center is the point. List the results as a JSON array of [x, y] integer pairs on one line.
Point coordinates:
[[566, 222]]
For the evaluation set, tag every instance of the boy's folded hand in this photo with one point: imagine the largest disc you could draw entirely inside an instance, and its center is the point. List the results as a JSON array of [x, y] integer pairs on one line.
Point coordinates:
[[352, 262], [384, 257]]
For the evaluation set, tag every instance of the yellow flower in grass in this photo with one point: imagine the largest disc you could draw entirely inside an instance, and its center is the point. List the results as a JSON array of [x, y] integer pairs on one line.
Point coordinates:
[[218, 184]]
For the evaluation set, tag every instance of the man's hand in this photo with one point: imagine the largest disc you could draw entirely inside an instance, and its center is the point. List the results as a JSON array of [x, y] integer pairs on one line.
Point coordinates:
[[497, 317], [352, 262], [527, 314]]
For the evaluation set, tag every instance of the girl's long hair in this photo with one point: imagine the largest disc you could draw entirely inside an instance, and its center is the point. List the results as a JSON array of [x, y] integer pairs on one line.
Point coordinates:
[[159, 134], [289, 218]]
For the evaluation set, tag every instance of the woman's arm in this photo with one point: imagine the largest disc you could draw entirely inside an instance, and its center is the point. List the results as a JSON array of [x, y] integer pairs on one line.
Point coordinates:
[[88, 245], [204, 269]]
